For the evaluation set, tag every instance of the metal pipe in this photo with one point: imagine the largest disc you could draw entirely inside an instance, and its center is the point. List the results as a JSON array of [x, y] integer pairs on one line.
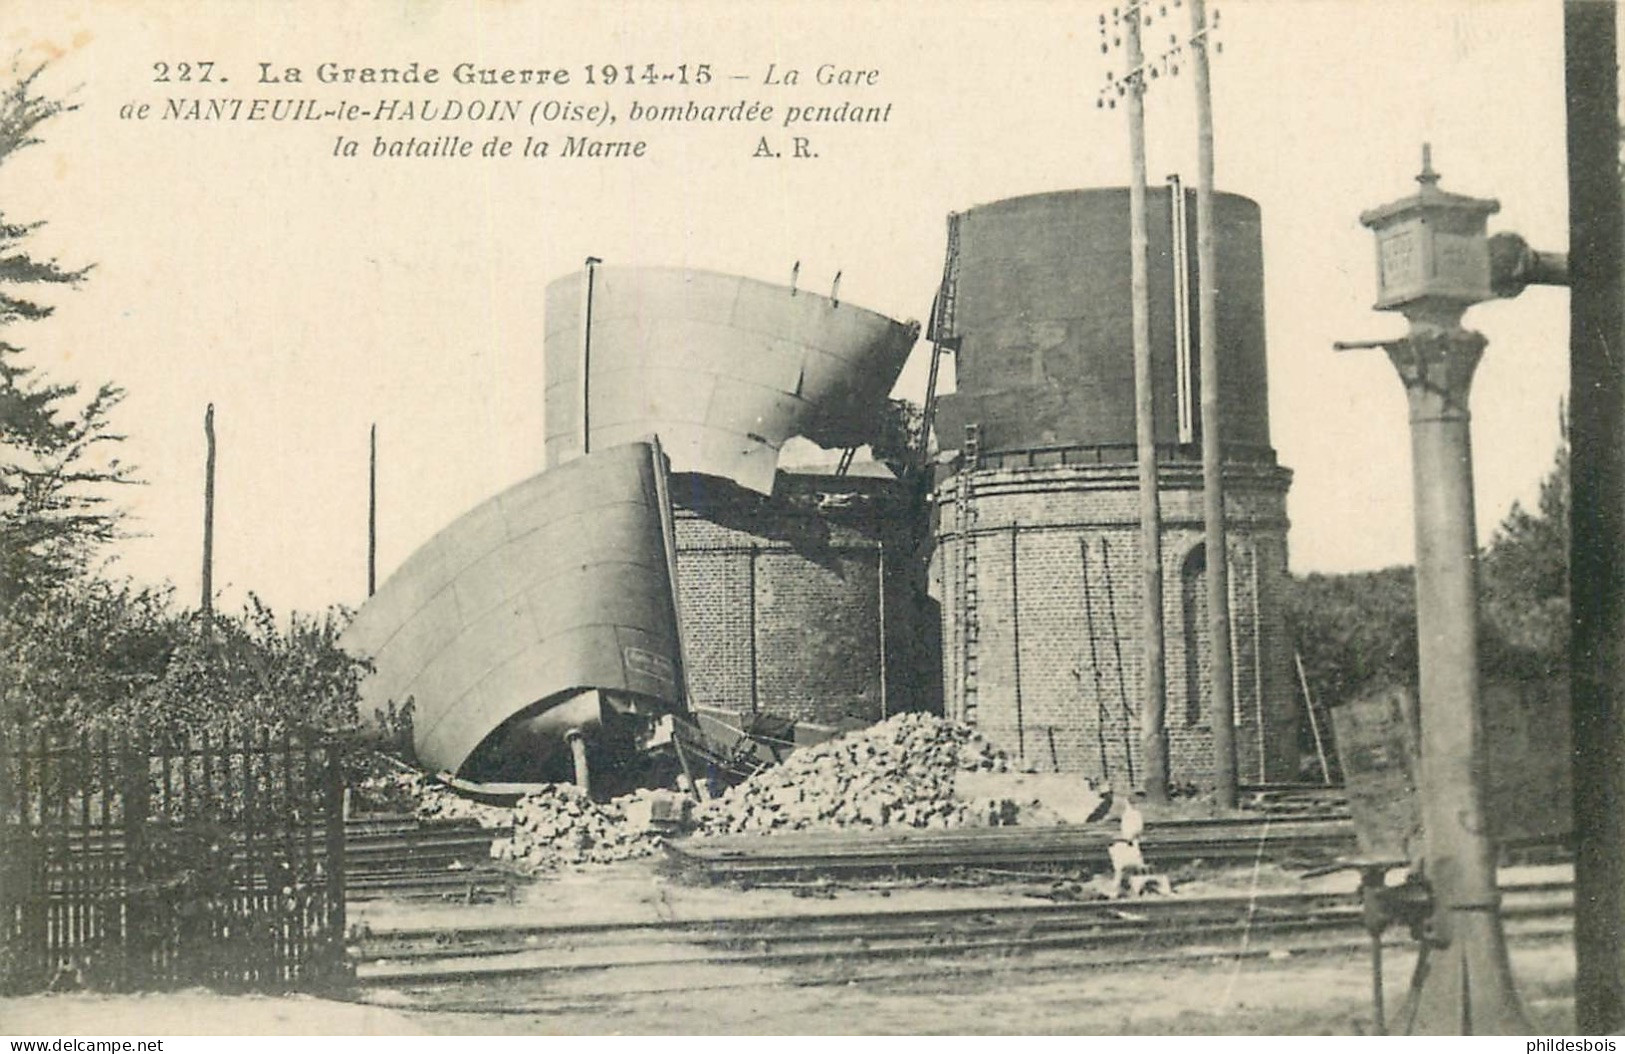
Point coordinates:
[[750, 618], [1222, 712], [940, 335], [1596, 514], [1015, 639], [1089, 628], [1066, 526], [1117, 655], [1314, 721], [668, 533], [1258, 668], [372, 511], [880, 588], [1154, 733], [1179, 244], [208, 515], [578, 754], [586, 354], [928, 412]]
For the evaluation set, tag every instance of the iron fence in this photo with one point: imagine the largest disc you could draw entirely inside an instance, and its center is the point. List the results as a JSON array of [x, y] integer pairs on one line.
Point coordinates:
[[131, 862]]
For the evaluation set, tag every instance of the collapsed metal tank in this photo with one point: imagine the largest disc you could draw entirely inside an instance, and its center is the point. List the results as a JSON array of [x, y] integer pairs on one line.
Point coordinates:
[[542, 626], [798, 600], [545, 613], [722, 368]]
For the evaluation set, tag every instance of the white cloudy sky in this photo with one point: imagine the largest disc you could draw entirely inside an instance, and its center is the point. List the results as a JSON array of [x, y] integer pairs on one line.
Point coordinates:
[[307, 296]]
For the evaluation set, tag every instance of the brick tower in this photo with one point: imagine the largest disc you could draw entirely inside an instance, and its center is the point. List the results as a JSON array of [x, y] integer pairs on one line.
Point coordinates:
[[1036, 565]]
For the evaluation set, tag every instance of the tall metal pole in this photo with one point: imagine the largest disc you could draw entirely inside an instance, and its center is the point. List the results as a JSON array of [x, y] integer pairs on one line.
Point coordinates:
[[1467, 990], [585, 387], [1222, 712], [1596, 514], [208, 516], [372, 511], [1154, 735]]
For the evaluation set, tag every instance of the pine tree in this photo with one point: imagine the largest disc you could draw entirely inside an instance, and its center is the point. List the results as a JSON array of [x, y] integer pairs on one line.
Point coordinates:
[[57, 464]]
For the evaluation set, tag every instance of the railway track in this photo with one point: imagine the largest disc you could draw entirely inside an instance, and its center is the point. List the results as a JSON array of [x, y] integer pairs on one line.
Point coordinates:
[[852, 853], [399, 858], [530, 965]]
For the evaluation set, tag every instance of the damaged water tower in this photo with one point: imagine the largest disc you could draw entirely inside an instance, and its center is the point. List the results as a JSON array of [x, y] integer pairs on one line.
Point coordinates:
[[1037, 552], [661, 564], [798, 593]]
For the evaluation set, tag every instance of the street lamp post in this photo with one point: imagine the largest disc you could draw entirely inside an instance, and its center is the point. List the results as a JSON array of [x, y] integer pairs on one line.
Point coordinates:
[[1433, 263]]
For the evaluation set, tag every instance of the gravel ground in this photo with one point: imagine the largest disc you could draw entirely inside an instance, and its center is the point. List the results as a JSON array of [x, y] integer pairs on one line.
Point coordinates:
[[1320, 996], [1313, 995]]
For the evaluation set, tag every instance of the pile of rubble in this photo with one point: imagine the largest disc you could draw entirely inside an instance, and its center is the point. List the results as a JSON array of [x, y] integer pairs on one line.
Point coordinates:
[[899, 773], [557, 825]]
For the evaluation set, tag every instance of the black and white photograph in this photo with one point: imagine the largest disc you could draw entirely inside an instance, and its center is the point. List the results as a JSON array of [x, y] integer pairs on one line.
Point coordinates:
[[538, 518]]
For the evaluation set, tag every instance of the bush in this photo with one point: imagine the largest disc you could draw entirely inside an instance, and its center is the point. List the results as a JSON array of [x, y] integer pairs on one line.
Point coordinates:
[[97, 656]]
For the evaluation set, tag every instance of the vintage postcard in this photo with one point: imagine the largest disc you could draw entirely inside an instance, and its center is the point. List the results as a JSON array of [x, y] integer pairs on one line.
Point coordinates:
[[694, 517]]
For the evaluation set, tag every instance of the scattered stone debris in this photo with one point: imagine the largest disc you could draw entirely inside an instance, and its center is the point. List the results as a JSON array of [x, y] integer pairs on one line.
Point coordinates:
[[560, 824], [556, 825], [898, 773]]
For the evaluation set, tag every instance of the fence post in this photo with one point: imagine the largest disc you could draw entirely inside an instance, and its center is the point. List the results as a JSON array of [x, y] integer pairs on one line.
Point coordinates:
[[137, 951], [16, 871], [333, 955]]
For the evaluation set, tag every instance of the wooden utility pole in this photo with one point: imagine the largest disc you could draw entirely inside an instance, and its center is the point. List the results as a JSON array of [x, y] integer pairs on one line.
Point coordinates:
[[208, 516], [1596, 513], [1218, 552], [1153, 707], [372, 511]]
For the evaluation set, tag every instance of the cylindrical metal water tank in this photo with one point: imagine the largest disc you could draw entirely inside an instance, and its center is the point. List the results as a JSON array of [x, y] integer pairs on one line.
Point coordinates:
[[1044, 317]]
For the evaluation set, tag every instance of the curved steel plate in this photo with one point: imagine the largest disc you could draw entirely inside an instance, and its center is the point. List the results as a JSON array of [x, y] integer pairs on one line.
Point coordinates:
[[723, 369], [558, 584]]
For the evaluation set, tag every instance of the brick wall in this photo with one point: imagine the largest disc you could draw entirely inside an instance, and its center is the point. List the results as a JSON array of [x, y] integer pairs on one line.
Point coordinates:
[[1059, 668], [783, 600], [713, 588]]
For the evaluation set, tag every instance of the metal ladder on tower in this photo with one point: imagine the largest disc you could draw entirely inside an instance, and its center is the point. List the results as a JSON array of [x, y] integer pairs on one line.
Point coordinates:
[[969, 617], [941, 333]]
